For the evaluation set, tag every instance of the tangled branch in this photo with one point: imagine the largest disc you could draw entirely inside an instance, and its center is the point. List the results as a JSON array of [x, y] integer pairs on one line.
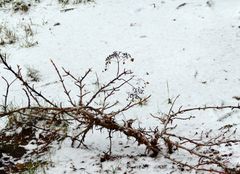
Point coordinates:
[[89, 113]]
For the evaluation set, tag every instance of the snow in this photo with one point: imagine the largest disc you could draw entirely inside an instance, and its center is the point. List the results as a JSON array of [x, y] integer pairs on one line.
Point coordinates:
[[192, 51]]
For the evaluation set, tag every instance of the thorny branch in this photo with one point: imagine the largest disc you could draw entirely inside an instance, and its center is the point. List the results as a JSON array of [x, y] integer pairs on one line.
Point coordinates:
[[5, 105], [29, 88], [89, 114]]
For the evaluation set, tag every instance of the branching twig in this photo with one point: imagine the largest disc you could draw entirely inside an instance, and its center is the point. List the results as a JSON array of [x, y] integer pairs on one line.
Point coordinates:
[[90, 114]]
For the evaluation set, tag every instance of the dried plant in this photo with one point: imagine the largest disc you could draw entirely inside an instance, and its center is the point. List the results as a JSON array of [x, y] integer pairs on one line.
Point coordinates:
[[32, 75], [90, 113], [17, 5], [7, 35], [24, 35]]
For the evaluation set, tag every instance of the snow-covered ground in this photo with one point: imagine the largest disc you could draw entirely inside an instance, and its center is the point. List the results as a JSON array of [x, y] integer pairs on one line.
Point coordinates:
[[181, 47]]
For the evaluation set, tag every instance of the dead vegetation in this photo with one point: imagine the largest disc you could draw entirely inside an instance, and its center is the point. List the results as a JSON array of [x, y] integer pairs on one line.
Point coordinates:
[[16, 5], [22, 34], [97, 110], [24, 6]]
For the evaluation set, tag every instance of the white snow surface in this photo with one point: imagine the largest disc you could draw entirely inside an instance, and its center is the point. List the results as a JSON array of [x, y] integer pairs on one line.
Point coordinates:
[[192, 51]]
